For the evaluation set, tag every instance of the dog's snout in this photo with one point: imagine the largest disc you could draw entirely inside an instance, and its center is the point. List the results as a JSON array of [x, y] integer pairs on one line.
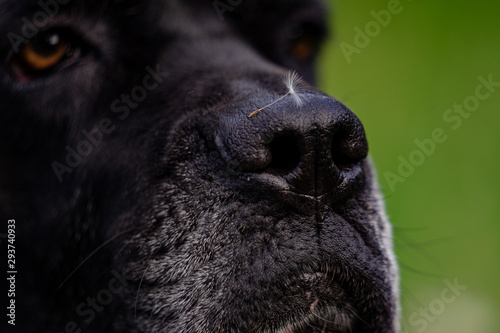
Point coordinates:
[[315, 148]]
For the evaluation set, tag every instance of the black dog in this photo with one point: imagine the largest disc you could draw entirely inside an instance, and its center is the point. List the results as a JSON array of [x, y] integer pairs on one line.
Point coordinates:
[[141, 197]]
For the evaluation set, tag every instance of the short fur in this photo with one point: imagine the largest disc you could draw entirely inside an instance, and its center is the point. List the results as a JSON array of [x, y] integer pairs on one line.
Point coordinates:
[[214, 221]]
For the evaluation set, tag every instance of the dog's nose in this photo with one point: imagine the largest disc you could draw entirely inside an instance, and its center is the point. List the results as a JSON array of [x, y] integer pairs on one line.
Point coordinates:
[[310, 149]]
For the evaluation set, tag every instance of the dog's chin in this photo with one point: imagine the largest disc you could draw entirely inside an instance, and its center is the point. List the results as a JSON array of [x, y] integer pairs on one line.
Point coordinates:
[[322, 304], [314, 301]]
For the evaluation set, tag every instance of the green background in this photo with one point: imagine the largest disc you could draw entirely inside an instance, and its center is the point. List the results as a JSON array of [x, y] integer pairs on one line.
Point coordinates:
[[445, 214]]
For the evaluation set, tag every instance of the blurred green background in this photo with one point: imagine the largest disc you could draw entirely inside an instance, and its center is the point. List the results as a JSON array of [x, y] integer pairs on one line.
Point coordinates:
[[445, 214]]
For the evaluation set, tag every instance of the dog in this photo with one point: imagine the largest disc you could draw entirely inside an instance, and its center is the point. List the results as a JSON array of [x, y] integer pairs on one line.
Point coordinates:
[[159, 175]]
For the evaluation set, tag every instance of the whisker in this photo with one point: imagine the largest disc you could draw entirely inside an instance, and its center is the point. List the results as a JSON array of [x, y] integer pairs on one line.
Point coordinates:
[[140, 284], [122, 248], [91, 254], [149, 320]]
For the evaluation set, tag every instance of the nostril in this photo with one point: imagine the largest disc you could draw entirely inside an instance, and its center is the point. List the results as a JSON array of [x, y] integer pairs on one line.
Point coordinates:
[[348, 150], [341, 160], [285, 155]]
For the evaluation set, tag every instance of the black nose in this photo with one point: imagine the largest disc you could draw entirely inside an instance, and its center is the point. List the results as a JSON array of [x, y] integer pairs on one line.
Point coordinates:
[[312, 149]]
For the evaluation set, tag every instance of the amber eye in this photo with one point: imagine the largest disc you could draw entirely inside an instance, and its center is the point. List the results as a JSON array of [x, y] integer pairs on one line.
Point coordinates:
[[44, 51], [50, 50], [303, 49], [304, 43]]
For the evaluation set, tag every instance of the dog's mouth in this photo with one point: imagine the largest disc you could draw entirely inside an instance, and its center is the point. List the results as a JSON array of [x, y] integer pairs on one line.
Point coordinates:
[[323, 325], [319, 302]]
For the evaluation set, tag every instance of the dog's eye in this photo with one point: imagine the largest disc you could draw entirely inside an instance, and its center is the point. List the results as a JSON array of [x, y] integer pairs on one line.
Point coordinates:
[[44, 52], [303, 49], [304, 43]]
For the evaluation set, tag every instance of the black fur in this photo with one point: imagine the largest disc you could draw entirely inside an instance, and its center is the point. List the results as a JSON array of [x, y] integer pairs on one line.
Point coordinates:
[[192, 216]]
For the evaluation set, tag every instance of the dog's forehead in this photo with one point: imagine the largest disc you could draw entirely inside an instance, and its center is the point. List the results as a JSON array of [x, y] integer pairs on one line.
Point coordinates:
[[201, 17], [259, 21], [40, 14], [261, 6], [171, 10]]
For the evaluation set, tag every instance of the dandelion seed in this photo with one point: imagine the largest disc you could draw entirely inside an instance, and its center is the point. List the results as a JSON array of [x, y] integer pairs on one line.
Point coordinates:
[[293, 82]]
